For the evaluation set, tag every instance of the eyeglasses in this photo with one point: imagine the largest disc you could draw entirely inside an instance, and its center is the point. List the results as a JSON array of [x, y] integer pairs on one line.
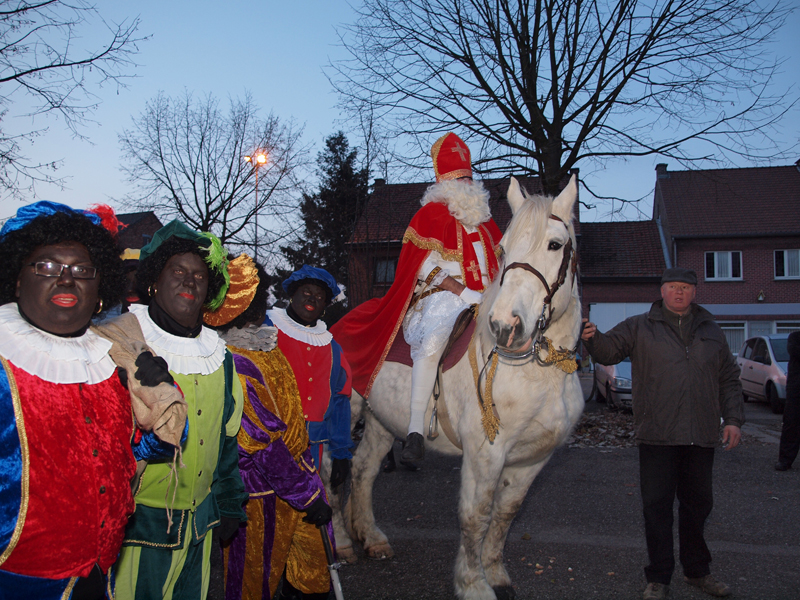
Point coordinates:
[[54, 269]]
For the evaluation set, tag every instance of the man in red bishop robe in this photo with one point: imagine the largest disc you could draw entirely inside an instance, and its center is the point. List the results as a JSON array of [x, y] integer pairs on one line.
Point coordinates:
[[449, 256]]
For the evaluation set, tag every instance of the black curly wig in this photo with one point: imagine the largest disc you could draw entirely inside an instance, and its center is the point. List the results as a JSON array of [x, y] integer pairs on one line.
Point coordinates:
[[257, 310], [17, 246], [151, 267]]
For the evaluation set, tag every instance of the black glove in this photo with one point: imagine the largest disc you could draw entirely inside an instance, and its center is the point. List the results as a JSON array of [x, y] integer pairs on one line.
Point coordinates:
[[339, 471], [152, 370], [91, 587], [228, 526], [123, 377], [319, 513]]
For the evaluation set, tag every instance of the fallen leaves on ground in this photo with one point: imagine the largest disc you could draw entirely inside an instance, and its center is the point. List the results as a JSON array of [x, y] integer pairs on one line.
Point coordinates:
[[604, 428]]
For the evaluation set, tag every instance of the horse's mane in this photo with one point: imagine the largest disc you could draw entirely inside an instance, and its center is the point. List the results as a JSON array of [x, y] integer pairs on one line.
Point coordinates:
[[529, 224]]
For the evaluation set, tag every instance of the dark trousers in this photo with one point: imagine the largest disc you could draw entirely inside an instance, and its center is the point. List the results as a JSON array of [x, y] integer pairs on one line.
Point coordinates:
[[790, 434], [664, 473]]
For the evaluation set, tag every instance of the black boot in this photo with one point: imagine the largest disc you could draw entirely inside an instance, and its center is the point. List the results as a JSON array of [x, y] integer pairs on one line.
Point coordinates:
[[414, 448], [289, 592]]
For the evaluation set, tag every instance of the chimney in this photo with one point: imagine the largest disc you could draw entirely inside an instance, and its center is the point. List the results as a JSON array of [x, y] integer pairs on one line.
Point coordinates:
[[378, 183], [661, 171]]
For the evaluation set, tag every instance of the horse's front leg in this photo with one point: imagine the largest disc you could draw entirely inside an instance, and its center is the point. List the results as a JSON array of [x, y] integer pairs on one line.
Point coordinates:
[[479, 474], [512, 488], [366, 463]]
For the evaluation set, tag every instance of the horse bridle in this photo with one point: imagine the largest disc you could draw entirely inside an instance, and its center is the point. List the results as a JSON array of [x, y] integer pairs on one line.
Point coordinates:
[[543, 322]]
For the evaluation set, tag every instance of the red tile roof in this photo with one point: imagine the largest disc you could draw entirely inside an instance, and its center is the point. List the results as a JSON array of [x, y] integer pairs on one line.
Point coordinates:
[[621, 249], [731, 202], [391, 207]]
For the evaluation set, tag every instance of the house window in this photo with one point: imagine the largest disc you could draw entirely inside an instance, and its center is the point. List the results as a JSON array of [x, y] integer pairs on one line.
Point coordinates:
[[787, 264], [723, 266], [384, 270], [734, 333], [786, 326]]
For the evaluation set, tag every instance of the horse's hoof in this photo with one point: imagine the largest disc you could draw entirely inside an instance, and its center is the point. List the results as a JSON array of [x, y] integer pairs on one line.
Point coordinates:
[[504, 592], [380, 552], [346, 555]]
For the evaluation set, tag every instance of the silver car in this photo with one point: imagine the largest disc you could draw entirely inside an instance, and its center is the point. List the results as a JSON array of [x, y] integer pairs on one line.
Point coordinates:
[[763, 360], [614, 384]]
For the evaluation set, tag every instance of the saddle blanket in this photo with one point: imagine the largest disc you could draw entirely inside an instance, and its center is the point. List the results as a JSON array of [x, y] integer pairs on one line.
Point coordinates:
[[400, 352]]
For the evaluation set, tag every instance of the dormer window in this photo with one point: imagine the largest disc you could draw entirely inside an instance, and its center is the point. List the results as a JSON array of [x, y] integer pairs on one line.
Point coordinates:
[[724, 266], [787, 264]]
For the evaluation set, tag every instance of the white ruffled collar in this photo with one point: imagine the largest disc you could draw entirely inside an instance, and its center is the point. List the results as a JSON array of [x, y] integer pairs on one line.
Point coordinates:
[[188, 356], [318, 335], [56, 359]]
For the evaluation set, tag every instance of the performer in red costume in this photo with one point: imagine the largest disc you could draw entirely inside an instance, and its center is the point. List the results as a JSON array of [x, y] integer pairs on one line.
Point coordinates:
[[68, 441], [450, 246], [321, 370]]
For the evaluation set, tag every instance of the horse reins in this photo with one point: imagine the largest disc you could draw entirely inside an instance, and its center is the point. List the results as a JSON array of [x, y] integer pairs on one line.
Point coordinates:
[[569, 255], [543, 322]]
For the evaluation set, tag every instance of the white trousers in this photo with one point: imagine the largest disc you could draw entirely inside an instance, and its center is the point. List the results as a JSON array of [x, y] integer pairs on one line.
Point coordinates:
[[423, 377]]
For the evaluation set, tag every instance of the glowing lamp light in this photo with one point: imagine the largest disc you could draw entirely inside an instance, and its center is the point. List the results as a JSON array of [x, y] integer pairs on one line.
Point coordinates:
[[261, 159]]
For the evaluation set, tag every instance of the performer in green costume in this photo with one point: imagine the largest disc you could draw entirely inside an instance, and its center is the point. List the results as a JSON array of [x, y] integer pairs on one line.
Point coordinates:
[[167, 547]]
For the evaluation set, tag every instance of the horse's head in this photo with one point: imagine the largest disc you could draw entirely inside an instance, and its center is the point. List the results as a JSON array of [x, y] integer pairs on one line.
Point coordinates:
[[536, 283]]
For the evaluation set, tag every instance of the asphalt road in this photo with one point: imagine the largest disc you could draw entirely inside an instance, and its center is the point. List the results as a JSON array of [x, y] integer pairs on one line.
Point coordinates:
[[579, 533]]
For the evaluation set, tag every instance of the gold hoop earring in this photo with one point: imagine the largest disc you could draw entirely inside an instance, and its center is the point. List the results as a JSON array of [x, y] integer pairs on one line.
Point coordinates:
[[99, 307]]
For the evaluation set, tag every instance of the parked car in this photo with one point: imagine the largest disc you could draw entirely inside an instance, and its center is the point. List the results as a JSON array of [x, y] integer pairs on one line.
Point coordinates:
[[763, 360], [614, 384]]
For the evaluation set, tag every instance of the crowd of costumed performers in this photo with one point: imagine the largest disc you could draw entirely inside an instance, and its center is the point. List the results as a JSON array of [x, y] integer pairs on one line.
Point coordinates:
[[184, 407]]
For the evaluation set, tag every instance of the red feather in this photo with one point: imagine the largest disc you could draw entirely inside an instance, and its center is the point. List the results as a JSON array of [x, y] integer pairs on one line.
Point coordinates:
[[108, 218]]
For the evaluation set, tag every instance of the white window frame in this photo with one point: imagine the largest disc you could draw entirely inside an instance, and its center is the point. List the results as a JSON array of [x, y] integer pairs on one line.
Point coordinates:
[[787, 326], [785, 263], [716, 254], [731, 326]]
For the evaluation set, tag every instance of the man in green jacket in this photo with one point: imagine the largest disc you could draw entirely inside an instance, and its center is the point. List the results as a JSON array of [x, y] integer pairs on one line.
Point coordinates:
[[685, 380]]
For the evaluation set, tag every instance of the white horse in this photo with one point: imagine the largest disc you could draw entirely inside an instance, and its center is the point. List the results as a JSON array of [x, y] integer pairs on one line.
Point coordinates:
[[537, 403]]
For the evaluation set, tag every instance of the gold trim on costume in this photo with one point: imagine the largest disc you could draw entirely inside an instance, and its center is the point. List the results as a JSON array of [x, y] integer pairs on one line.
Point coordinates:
[[153, 544], [25, 476], [431, 244], [68, 590], [209, 526], [314, 497], [455, 174], [432, 274], [261, 494]]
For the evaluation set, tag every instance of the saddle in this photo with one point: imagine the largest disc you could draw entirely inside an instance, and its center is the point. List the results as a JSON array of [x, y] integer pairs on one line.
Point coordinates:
[[454, 351]]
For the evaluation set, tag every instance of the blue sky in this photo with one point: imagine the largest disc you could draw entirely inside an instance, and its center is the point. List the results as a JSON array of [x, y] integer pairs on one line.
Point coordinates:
[[277, 50]]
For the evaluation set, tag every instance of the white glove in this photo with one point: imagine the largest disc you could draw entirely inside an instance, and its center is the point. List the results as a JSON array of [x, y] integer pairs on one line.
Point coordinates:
[[470, 296]]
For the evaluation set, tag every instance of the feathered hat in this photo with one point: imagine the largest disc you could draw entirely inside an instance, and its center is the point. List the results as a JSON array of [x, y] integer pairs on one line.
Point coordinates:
[[242, 290], [216, 258]]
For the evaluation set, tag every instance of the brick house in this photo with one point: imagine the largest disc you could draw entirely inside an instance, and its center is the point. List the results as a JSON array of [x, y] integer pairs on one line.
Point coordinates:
[[139, 230], [620, 270], [740, 230]]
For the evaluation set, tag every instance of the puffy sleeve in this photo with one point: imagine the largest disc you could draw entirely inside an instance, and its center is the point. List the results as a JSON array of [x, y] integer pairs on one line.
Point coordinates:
[[337, 417]]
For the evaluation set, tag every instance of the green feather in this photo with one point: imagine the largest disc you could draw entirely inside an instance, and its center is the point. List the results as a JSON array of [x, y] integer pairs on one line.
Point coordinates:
[[217, 260]]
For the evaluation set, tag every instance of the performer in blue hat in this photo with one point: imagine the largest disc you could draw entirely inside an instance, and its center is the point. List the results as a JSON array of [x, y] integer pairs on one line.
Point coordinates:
[[322, 373]]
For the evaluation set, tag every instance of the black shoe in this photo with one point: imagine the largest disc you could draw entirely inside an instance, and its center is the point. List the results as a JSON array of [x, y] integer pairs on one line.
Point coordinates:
[[414, 448], [782, 466]]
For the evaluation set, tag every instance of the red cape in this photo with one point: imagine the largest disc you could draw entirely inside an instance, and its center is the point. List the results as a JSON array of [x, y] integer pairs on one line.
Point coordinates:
[[367, 332]]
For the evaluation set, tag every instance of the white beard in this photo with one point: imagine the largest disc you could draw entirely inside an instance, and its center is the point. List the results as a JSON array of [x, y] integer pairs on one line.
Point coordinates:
[[467, 201]]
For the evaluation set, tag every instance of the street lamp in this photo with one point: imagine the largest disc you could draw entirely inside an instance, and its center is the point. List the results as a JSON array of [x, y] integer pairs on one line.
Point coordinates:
[[259, 160]]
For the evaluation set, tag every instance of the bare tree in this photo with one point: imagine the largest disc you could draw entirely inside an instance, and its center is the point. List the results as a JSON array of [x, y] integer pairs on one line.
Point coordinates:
[[186, 158], [542, 85], [45, 63]]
